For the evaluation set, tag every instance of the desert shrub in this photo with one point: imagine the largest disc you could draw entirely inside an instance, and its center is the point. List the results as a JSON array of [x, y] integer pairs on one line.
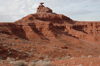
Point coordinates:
[[41, 56], [10, 59], [99, 56], [32, 64], [56, 59], [32, 44], [40, 63], [5, 45], [1, 58], [72, 58], [32, 50], [19, 63], [83, 56], [10, 53], [31, 54], [46, 64], [80, 65], [55, 47], [61, 51], [13, 44], [46, 60], [63, 58], [28, 46], [0, 43], [90, 56], [67, 57], [68, 54], [25, 55]]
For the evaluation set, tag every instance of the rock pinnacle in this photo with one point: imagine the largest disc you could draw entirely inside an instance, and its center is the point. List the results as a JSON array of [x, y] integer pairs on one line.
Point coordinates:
[[44, 9]]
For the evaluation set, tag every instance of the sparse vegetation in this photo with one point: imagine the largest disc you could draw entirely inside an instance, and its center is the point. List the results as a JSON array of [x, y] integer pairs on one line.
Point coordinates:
[[19, 63], [41, 56], [0, 43], [46, 64], [67, 57], [32, 64], [25, 55], [99, 56], [56, 59], [55, 47], [83, 56], [90, 56], [10, 53], [1, 58], [80, 65], [10, 59], [72, 58], [41, 63], [46, 60]]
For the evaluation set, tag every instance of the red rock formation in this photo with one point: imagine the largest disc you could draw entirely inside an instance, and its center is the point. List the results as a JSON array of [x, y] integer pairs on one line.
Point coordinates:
[[54, 31], [42, 8]]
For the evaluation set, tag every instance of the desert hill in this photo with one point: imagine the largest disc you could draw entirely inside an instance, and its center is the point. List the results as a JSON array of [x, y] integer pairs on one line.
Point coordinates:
[[50, 35]]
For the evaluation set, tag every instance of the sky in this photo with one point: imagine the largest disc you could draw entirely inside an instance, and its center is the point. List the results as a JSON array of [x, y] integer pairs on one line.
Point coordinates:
[[80, 10]]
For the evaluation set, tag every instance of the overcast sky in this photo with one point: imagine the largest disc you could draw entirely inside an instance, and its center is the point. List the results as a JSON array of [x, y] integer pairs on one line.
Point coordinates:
[[81, 10]]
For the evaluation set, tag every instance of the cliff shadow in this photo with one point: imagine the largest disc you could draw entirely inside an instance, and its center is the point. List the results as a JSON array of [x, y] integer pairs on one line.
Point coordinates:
[[39, 32], [18, 31]]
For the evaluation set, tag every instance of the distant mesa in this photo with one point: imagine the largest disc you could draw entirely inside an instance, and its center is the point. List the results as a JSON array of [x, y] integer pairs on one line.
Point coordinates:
[[42, 8]]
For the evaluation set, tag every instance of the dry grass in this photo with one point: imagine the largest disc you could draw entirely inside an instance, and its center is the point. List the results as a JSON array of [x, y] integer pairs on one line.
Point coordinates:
[[67, 57], [90, 56], [41, 63], [19, 63], [32, 64], [10, 59], [46, 64], [83, 56]]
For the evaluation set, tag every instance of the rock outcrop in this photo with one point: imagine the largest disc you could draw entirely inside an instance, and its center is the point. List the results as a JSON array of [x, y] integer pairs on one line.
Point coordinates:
[[42, 8]]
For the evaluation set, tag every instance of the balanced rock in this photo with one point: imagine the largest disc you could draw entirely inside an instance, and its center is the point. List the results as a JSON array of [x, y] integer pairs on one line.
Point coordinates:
[[42, 8]]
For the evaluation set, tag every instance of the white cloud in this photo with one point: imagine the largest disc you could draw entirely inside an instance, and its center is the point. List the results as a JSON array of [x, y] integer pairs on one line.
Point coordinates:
[[12, 10]]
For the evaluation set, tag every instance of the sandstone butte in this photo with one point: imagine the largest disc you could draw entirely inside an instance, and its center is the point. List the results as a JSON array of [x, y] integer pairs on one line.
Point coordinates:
[[47, 34]]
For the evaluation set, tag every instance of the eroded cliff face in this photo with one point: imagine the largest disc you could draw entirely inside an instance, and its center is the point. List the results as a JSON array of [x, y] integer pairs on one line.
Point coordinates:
[[47, 29], [90, 29]]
